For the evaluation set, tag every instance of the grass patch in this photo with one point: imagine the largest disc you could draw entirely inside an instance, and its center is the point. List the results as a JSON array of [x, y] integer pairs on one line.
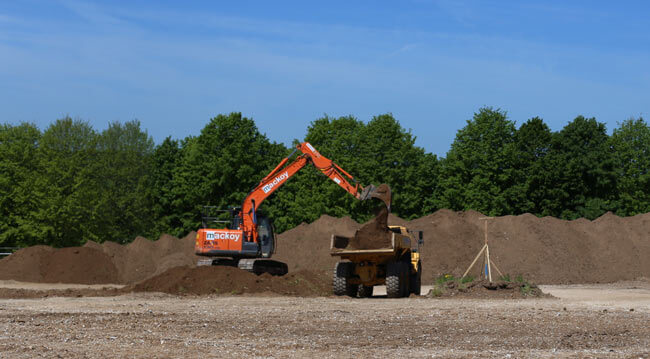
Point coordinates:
[[436, 292], [525, 287], [444, 282], [445, 278]]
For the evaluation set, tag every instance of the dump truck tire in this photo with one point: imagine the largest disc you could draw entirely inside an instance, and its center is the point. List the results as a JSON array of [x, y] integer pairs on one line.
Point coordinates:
[[416, 280], [394, 280], [342, 271], [365, 291]]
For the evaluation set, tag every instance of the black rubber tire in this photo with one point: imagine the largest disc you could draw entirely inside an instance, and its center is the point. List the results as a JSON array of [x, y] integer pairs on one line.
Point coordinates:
[[394, 280], [416, 280], [342, 271], [365, 291]]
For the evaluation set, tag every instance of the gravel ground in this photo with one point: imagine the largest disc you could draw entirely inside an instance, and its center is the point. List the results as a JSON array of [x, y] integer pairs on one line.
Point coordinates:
[[578, 325]]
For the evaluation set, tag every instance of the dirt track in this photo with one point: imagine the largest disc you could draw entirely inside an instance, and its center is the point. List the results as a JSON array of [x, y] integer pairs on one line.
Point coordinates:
[[588, 324]]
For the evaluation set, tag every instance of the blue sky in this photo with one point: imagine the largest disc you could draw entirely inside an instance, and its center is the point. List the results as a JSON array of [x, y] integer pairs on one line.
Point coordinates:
[[430, 63]]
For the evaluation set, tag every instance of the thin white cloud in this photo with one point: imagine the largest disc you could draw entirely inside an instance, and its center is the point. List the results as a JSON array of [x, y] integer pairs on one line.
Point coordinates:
[[91, 12]]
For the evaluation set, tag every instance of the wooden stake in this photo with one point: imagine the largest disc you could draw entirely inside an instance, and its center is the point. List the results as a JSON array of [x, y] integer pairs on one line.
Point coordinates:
[[485, 230], [474, 261], [487, 259], [497, 268]]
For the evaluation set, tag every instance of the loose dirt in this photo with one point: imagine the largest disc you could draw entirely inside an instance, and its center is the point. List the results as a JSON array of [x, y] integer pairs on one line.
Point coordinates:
[[231, 280], [373, 235], [543, 250], [146, 325], [384, 194], [486, 290], [67, 265], [99, 263]]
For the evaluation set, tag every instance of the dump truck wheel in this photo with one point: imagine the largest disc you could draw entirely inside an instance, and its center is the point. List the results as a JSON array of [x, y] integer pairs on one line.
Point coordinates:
[[342, 272], [394, 280], [416, 280], [365, 291]]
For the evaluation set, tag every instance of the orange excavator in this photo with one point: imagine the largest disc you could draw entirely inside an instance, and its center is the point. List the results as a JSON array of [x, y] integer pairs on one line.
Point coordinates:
[[248, 239]]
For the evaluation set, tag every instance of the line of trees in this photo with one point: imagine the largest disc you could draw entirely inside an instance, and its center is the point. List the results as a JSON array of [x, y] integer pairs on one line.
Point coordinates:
[[70, 183]]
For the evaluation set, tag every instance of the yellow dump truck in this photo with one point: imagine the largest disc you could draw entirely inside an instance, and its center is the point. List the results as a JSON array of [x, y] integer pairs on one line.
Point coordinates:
[[398, 267]]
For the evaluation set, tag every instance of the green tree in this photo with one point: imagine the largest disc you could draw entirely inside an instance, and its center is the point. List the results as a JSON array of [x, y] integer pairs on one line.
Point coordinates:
[[123, 174], [19, 168], [166, 159], [221, 166], [67, 152], [378, 152], [581, 170], [479, 170], [389, 155], [532, 145], [631, 145]]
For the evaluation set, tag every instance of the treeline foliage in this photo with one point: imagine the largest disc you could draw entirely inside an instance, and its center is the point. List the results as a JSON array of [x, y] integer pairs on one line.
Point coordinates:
[[69, 183]]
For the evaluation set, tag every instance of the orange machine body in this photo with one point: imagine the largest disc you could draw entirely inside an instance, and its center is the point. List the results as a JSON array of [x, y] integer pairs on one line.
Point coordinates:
[[221, 240]]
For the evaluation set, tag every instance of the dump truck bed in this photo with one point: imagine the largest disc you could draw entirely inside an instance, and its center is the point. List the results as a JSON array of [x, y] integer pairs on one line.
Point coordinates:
[[339, 246]]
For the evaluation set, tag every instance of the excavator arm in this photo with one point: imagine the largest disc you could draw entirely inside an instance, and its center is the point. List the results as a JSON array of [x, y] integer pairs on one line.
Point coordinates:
[[282, 172]]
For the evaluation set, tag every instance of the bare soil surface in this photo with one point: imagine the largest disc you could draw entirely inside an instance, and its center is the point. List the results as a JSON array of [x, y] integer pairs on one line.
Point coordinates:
[[585, 322], [232, 280], [543, 250], [95, 263]]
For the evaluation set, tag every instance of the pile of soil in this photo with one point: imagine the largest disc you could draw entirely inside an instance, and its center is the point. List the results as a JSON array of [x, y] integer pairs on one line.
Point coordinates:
[[66, 265], [307, 246], [485, 289], [231, 280], [99, 263], [373, 235], [166, 265], [543, 250]]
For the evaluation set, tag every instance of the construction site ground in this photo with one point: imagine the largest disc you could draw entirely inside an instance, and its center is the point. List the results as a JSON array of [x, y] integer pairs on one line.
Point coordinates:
[[582, 321]]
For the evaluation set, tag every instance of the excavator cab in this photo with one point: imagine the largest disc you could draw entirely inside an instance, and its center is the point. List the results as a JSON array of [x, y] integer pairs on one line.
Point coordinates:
[[213, 217], [266, 236]]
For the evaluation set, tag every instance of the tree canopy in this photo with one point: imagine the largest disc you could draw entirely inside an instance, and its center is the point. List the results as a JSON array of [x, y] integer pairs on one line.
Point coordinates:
[[70, 183]]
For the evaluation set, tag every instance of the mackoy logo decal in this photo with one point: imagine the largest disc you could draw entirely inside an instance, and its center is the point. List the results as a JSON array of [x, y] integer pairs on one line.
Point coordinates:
[[276, 180], [211, 236]]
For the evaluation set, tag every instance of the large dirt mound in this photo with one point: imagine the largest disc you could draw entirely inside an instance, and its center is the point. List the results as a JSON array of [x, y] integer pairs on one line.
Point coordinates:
[[544, 250], [307, 246], [99, 263], [67, 265], [231, 280]]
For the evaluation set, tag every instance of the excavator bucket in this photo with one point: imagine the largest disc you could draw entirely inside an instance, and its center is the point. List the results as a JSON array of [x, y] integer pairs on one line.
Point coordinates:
[[381, 192]]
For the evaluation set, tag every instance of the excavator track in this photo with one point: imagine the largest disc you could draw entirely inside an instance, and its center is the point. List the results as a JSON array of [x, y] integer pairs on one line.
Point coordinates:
[[260, 266], [257, 266]]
